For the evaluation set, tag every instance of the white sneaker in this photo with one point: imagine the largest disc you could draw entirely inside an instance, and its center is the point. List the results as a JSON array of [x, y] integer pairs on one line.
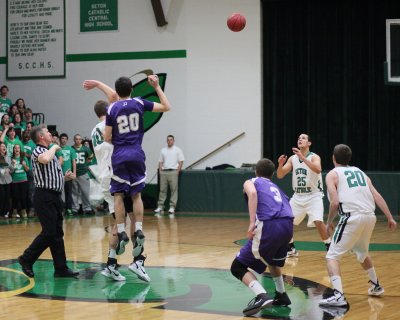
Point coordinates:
[[292, 253], [171, 212], [337, 300], [137, 267], [158, 212], [7, 215], [112, 272], [376, 289]]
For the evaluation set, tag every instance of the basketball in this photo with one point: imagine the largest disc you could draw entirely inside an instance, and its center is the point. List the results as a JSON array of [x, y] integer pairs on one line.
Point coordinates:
[[236, 22]]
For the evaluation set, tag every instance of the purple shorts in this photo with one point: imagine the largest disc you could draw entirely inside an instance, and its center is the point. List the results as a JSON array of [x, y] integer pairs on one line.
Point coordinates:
[[269, 245], [129, 173]]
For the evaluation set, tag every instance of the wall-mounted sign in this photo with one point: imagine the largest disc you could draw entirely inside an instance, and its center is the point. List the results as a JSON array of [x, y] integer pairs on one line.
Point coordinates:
[[99, 15], [35, 38]]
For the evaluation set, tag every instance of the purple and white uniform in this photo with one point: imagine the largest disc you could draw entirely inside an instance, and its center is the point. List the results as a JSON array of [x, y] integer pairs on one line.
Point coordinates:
[[274, 228], [128, 158]]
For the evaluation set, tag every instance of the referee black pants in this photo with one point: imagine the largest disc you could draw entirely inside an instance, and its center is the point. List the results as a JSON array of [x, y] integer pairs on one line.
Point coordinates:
[[48, 207]]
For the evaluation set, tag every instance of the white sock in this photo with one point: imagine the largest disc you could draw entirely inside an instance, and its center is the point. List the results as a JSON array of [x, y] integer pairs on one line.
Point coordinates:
[[328, 240], [337, 283], [112, 253], [372, 275], [121, 227], [138, 225], [279, 285], [256, 287]]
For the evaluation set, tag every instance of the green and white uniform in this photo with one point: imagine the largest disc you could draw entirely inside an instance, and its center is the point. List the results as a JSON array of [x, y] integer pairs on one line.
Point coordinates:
[[103, 151], [81, 185], [68, 155], [308, 192], [357, 216]]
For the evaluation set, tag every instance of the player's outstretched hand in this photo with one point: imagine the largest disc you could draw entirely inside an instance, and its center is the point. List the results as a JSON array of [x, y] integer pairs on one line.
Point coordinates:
[[250, 231], [90, 84], [392, 224], [282, 159], [153, 80]]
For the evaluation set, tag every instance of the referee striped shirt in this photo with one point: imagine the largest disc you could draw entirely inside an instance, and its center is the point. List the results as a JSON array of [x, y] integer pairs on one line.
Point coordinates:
[[46, 176]]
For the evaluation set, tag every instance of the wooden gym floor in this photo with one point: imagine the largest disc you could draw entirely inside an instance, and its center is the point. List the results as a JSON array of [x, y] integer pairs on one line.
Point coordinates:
[[189, 258]]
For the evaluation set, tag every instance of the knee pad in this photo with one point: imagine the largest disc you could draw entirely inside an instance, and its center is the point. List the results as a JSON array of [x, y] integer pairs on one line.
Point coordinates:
[[238, 269]]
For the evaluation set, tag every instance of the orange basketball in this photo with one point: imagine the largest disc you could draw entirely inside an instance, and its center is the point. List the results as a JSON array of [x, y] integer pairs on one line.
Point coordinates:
[[236, 22]]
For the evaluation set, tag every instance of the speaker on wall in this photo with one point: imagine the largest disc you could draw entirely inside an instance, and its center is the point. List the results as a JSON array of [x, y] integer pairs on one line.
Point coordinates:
[[159, 13]]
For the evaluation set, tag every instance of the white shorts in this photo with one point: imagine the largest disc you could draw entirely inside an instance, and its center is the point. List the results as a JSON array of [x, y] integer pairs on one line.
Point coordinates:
[[105, 187], [352, 233], [307, 204]]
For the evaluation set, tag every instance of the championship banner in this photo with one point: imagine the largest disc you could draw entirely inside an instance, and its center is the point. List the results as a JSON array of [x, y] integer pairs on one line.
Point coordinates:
[[35, 39]]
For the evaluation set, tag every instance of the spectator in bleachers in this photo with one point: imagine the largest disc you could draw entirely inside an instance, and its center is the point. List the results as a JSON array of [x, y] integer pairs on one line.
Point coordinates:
[[18, 124], [19, 184], [29, 126], [10, 138], [5, 181], [29, 145], [68, 164], [55, 138], [81, 185], [20, 103], [12, 112], [5, 102], [29, 117], [5, 120]]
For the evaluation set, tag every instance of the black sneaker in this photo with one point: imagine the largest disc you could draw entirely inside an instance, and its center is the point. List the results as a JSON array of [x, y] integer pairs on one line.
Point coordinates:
[[262, 301], [281, 299], [26, 267], [138, 242], [122, 242]]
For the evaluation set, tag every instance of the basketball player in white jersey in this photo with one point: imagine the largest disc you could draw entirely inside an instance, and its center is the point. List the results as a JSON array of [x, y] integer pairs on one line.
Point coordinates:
[[353, 197], [307, 186]]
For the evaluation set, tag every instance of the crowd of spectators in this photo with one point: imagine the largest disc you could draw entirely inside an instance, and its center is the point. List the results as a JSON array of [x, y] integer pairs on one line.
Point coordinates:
[[16, 146]]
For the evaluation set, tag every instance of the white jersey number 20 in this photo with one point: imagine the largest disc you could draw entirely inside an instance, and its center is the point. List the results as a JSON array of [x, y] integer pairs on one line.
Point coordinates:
[[128, 123]]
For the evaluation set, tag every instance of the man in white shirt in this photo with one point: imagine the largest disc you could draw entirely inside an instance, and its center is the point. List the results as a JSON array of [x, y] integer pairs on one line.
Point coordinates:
[[169, 165]]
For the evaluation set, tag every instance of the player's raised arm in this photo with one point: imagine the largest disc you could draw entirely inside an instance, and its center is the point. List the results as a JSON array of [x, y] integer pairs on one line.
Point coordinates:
[[284, 167], [164, 105], [112, 96]]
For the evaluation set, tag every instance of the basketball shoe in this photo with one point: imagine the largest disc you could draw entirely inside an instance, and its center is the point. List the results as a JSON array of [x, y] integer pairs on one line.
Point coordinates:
[[258, 303], [336, 300], [111, 271], [281, 299], [375, 289], [138, 242], [122, 242], [137, 267]]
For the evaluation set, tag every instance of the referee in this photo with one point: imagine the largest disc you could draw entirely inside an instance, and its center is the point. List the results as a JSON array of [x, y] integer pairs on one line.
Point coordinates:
[[49, 182]]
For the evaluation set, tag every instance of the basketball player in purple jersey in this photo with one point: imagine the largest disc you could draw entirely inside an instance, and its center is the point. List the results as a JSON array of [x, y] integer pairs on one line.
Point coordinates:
[[125, 130], [269, 233]]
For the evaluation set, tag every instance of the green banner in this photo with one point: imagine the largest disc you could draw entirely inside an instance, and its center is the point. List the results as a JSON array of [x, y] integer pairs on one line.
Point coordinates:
[[99, 15]]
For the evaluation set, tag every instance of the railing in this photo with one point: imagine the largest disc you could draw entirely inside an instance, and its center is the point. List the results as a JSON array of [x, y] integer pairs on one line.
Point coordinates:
[[226, 144]]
